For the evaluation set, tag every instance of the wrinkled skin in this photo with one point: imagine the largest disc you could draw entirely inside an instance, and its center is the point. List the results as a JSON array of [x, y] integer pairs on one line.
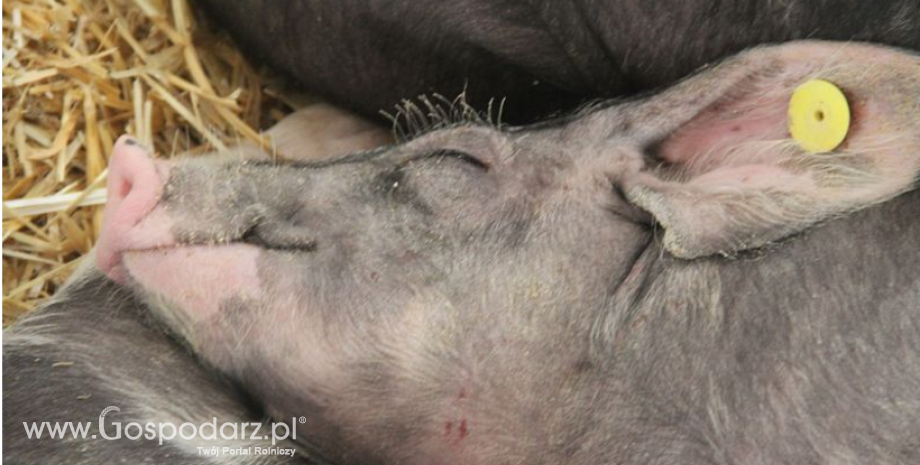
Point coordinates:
[[543, 56], [668, 280]]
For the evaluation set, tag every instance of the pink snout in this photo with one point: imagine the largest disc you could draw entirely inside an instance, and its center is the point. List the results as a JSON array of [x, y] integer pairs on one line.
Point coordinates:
[[131, 220]]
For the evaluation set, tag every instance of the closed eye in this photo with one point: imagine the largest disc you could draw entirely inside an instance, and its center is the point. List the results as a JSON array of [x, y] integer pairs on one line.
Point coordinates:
[[458, 155]]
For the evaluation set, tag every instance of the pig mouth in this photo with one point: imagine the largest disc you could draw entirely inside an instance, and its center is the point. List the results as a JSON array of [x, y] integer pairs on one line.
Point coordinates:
[[180, 248], [253, 236], [122, 272], [252, 240]]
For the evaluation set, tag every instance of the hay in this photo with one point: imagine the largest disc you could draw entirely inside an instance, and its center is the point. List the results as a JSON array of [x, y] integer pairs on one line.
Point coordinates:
[[76, 75]]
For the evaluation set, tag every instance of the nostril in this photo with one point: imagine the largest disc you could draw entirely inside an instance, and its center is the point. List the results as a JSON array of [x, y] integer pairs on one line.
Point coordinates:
[[133, 188], [134, 183], [123, 188]]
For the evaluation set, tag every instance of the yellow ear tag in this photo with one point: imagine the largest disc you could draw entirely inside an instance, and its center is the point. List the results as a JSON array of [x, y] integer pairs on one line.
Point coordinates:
[[819, 116]]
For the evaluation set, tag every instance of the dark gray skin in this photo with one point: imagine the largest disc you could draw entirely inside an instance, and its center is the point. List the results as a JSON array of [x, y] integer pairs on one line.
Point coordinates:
[[94, 346], [543, 56], [666, 281]]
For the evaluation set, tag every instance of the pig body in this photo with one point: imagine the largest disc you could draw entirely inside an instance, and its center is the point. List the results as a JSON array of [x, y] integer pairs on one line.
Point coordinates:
[[543, 56], [95, 346], [667, 280]]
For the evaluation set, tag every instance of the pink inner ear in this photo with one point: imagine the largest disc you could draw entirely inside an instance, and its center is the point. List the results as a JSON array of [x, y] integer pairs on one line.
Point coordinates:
[[754, 176], [716, 138]]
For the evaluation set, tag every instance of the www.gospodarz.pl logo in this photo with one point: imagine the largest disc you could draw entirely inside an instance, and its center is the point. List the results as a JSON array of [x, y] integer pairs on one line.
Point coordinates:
[[167, 431]]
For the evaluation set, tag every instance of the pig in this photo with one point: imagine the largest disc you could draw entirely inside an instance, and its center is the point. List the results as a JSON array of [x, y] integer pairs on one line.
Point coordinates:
[[542, 57], [664, 280]]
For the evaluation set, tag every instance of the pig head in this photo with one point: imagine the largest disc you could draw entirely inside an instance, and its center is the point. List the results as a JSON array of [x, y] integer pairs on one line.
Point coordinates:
[[602, 288]]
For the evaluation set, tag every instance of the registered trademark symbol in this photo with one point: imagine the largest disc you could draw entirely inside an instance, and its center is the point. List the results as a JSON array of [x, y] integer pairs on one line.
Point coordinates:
[[302, 420]]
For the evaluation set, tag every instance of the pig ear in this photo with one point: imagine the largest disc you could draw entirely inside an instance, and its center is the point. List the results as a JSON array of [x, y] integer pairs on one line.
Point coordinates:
[[734, 175]]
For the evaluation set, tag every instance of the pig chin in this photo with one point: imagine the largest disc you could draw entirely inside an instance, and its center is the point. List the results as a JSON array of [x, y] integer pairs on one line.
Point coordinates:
[[196, 280]]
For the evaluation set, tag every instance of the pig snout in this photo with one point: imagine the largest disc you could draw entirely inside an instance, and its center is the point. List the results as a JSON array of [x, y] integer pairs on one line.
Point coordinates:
[[131, 221]]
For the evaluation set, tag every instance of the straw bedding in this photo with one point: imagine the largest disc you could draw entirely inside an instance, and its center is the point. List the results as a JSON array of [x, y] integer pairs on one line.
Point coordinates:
[[76, 75]]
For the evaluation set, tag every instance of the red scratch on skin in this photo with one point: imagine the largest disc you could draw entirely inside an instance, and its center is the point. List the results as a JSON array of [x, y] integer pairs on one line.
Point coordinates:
[[456, 435], [463, 430]]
